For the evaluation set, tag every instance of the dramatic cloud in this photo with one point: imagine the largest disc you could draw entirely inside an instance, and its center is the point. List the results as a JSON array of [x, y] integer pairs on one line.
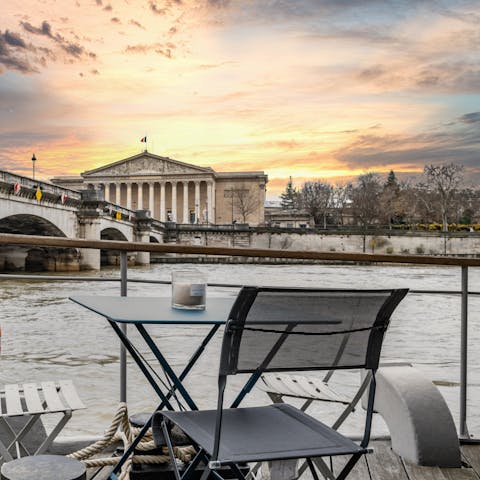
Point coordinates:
[[44, 29], [156, 8], [72, 49], [407, 152], [10, 62], [137, 24], [165, 50], [372, 73], [469, 118], [14, 39], [304, 88], [12, 56]]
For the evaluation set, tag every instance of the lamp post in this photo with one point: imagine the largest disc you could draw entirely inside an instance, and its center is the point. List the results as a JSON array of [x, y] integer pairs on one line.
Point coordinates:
[[34, 159]]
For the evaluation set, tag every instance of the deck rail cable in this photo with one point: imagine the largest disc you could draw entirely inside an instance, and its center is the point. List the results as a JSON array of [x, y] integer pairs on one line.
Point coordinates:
[[65, 278], [124, 247]]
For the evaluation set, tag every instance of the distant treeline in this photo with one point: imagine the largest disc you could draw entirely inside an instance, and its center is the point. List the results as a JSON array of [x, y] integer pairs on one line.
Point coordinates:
[[439, 201]]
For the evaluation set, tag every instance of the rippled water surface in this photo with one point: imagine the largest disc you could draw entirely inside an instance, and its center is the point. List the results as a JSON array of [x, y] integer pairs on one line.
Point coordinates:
[[46, 336]]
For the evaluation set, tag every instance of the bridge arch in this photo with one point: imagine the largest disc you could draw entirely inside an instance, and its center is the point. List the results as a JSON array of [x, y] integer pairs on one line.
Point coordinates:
[[111, 233], [27, 224], [111, 257], [35, 259]]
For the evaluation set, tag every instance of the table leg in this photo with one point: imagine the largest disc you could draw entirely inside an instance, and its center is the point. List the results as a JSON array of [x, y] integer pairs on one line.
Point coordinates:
[[165, 397], [177, 380], [138, 361]]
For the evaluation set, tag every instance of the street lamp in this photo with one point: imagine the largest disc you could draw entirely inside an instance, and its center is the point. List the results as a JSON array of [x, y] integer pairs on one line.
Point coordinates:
[[34, 159]]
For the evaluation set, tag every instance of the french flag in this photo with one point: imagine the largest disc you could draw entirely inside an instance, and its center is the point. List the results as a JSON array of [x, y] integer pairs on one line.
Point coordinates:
[[144, 140]]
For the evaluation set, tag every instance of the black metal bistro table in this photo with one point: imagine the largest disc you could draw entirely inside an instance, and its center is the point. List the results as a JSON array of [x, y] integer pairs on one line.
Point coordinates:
[[141, 311]]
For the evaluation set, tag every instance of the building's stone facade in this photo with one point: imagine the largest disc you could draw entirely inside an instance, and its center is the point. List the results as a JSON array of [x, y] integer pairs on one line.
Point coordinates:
[[177, 191], [287, 218]]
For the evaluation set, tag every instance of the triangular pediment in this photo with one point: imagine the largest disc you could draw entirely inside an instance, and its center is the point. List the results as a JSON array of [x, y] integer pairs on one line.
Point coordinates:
[[145, 164]]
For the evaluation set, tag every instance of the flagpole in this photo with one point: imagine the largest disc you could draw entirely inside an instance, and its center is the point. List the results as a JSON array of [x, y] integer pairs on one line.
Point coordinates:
[[144, 139]]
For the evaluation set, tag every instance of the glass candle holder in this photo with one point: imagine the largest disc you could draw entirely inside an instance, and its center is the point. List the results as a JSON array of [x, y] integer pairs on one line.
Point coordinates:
[[189, 290]]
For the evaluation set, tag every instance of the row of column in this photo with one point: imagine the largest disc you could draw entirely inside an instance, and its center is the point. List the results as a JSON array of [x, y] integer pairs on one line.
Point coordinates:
[[208, 204]]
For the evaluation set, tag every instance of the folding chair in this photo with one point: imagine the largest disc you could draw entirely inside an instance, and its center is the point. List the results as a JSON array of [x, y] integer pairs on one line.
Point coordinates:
[[279, 385], [277, 330], [310, 389], [32, 400]]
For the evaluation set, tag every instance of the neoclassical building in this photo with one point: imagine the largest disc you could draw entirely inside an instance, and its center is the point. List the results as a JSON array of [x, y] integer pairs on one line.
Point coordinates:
[[177, 191]]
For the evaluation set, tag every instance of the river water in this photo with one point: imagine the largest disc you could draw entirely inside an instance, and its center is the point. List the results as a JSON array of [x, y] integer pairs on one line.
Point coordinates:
[[46, 336]]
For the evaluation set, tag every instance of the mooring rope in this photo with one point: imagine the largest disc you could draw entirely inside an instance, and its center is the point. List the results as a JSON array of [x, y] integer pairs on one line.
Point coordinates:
[[121, 431]]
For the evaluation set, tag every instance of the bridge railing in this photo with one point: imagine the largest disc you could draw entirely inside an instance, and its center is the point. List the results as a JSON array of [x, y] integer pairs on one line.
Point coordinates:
[[120, 212], [125, 247], [13, 178]]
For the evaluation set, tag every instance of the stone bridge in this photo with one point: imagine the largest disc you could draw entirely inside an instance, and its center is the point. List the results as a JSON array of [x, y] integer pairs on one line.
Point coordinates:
[[32, 207]]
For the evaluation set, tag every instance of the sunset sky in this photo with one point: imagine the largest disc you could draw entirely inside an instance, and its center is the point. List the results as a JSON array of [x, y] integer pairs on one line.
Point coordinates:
[[308, 88]]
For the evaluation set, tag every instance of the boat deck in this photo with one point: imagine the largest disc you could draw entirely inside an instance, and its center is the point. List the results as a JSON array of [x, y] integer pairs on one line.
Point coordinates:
[[384, 464]]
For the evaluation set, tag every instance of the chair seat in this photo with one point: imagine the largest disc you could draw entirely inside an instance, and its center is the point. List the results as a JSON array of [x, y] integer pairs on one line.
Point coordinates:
[[31, 401], [273, 432], [45, 397]]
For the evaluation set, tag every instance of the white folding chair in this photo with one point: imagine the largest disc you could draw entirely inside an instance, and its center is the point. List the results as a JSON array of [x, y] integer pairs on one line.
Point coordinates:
[[308, 388], [34, 400]]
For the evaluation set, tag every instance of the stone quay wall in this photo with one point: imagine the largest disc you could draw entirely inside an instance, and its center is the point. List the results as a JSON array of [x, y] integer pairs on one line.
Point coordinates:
[[380, 242]]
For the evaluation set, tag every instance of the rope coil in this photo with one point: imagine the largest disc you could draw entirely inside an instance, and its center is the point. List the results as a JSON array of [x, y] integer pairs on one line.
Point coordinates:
[[120, 431]]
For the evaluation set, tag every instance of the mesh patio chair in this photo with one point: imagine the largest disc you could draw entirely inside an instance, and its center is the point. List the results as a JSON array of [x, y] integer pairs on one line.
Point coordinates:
[[310, 389], [277, 330]]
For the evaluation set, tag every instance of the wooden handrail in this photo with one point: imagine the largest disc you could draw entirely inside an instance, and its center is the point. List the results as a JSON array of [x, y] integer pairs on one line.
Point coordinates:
[[43, 241]]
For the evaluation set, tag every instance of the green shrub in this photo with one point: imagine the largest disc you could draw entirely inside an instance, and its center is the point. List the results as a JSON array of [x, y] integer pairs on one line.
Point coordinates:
[[420, 250]]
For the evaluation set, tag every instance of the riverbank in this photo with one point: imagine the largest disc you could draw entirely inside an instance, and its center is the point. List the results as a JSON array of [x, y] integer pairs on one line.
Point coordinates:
[[390, 242]]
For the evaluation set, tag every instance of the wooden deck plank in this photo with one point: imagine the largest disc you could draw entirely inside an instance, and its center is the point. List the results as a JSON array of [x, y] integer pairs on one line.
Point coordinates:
[[459, 473], [471, 454], [359, 471], [384, 464], [416, 472]]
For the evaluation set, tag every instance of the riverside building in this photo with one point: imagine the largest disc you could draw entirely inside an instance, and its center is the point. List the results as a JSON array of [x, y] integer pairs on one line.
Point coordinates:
[[177, 191]]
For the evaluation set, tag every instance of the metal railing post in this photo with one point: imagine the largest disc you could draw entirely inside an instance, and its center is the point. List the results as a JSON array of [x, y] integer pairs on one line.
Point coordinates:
[[123, 327], [463, 355]]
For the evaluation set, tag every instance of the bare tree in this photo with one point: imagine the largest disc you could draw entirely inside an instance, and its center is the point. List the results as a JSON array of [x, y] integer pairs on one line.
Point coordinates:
[[341, 201], [424, 203], [365, 200], [316, 198], [445, 180], [245, 202]]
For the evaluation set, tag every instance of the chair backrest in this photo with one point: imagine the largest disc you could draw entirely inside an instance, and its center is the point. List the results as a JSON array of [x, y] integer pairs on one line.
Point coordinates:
[[291, 329], [287, 329]]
